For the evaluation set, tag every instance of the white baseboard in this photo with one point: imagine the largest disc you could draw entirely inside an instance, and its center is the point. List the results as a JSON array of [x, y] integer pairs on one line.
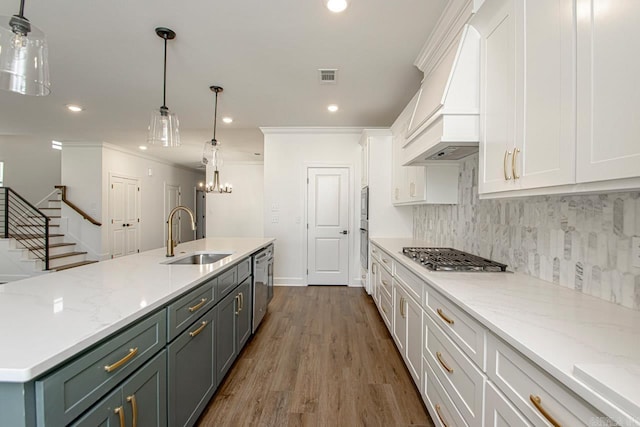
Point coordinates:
[[289, 281]]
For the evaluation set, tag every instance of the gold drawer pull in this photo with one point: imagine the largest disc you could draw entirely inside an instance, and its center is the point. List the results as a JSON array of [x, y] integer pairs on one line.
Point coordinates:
[[198, 305], [444, 317], [384, 282], [504, 165], [134, 407], [537, 402], [237, 298], [443, 363], [385, 260], [384, 309], [513, 163], [131, 355], [444, 423], [197, 331], [120, 411]]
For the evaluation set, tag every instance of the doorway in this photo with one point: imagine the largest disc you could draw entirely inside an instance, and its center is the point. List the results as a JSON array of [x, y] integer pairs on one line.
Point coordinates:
[[201, 214], [328, 239], [124, 208], [172, 196]]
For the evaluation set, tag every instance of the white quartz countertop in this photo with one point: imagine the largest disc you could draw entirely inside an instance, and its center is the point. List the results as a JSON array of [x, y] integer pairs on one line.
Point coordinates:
[[45, 320], [556, 327]]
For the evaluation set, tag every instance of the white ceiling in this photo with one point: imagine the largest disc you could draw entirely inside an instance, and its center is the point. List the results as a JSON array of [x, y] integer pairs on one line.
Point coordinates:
[[105, 56]]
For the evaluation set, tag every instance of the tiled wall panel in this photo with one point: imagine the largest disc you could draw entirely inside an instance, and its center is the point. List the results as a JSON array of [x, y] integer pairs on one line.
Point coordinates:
[[580, 242]]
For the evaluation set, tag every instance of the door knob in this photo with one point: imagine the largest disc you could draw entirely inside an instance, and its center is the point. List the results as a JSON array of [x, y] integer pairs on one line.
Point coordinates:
[[344, 232]]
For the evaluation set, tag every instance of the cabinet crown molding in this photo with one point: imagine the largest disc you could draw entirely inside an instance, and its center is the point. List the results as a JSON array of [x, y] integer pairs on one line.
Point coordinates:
[[455, 15]]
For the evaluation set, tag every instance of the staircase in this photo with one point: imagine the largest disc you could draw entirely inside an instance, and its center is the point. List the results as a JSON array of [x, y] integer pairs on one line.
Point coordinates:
[[25, 237]]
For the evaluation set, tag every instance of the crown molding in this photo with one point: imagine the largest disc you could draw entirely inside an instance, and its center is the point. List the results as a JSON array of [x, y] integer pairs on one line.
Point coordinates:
[[377, 131], [311, 130], [450, 24]]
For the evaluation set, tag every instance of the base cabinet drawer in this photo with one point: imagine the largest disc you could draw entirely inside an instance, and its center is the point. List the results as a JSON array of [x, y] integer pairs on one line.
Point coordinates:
[[226, 282], [540, 398], [386, 310], [65, 394], [499, 412], [442, 410], [192, 374], [244, 269], [385, 281], [141, 400], [183, 312]]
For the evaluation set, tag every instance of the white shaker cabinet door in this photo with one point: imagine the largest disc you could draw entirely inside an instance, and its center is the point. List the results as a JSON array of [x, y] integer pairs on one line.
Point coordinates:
[[608, 90]]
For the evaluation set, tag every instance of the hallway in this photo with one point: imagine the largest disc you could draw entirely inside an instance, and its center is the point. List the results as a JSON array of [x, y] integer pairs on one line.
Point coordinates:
[[321, 357]]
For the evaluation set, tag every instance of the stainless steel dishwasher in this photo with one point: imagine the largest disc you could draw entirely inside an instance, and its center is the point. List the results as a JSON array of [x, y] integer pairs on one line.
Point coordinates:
[[262, 284]]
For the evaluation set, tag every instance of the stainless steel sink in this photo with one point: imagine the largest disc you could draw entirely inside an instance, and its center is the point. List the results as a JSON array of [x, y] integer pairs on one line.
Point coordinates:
[[199, 259]]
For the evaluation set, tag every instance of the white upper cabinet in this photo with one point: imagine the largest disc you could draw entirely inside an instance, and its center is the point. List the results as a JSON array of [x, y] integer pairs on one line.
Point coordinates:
[[608, 91], [527, 92]]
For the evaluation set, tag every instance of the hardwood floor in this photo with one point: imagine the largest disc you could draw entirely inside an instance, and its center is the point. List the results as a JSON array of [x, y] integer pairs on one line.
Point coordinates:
[[322, 357]]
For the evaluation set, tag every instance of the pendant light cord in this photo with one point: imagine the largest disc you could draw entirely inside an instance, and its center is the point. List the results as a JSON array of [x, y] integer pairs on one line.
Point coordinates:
[[164, 87], [21, 14], [215, 117]]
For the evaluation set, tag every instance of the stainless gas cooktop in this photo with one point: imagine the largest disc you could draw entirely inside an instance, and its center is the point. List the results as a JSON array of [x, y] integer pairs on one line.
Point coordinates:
[[448, 259]]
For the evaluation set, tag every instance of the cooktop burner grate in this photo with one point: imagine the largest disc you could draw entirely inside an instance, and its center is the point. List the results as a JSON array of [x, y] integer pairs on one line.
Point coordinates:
[[448, 259]]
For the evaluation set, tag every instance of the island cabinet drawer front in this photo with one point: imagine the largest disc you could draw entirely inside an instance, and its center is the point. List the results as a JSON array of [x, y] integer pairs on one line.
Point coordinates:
[[244, 269], [462, 380], [499, 411], [226, 282], [183, 312], [443, 411], [72, 389], [386, 309], [387, 262], [386, 281], [411, 282], [459, 326], [538, 396]]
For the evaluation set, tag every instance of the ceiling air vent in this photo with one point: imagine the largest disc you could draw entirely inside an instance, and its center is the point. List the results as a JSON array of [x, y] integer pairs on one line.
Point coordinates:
[[328, 76]]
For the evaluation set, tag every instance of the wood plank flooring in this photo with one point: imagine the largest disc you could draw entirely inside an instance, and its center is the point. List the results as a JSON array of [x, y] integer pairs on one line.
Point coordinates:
[[322, 357]]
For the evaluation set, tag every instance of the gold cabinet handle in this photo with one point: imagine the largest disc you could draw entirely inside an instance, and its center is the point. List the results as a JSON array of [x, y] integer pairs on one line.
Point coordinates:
[[537, 402], [402, 307], [513, 163], [385, 260], [237, 298], [443, 363], [120, 411], [504, 165], [397, 193], [444, 317], [412, 189], [134, 407], [373, 269], [384, 309], [197, 331], [384, 282], [132, 353], [198, 305], [444, 423]]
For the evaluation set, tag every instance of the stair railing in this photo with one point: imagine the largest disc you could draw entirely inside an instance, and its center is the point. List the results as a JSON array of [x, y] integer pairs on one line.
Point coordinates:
[[63, 192], [25, 223]]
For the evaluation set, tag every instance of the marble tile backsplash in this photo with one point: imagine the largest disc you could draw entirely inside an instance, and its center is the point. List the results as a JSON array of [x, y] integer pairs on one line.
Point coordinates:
[[580, 242]]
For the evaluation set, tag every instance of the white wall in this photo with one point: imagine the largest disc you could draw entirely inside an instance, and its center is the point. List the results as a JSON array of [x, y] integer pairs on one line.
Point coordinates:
[[239, 214], [287, 155], [86, 169], [31, 166]]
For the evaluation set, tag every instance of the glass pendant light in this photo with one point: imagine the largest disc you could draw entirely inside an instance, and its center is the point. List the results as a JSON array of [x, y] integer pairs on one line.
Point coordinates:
[[24, 67], [163, 129], [212, 157]]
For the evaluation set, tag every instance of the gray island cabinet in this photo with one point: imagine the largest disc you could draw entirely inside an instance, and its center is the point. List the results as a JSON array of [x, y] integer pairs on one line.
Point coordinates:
[[160, 370]]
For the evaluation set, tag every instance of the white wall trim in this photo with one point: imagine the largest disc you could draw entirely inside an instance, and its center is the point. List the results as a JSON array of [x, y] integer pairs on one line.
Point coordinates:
[[311, 130], [289, 281], [455, 15], [377, 132]]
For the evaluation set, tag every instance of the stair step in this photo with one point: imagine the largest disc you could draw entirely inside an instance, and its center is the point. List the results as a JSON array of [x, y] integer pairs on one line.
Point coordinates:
[[33, 236], [36, 225], [68, 254], [54, 245], [75, 264], [48, 216]]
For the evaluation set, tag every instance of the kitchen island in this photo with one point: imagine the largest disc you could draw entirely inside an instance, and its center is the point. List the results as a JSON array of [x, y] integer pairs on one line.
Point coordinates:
[[516, 338], [48, 321]]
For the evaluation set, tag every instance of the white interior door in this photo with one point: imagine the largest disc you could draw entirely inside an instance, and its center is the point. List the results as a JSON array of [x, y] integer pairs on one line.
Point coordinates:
[[171, 200], [328, 225], [124, 201]]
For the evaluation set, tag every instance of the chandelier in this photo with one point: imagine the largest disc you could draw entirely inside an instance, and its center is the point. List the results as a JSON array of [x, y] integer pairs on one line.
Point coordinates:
[[212, 157]]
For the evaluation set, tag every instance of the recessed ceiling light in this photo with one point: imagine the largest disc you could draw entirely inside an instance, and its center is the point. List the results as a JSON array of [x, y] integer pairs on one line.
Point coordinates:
[[227, 119], [332, 108], [74, 108], [336, 6], [142, 147]]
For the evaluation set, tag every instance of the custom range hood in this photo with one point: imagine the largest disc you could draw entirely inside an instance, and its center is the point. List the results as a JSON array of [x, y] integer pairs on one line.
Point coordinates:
[[445, 124]]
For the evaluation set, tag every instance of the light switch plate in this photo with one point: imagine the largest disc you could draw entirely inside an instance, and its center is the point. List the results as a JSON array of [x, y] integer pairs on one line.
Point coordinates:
[[275, 219], [635, 251]]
